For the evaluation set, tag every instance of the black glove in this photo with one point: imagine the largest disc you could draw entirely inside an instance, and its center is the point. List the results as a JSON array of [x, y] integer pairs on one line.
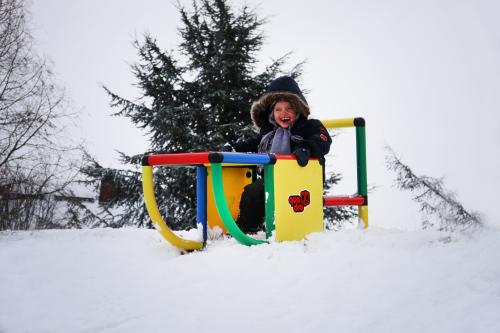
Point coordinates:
[[297, 138], [227, 148], [302, 155]]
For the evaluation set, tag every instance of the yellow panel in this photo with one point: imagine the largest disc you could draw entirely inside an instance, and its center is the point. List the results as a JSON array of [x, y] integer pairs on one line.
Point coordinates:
[[234, 180], [298, 199]]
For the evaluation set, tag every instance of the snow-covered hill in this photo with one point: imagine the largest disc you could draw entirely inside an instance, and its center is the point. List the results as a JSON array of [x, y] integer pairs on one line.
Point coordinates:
[[130, 280]]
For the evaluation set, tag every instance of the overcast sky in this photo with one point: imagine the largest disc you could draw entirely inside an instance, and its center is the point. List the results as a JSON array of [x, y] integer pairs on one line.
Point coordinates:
[[424, 74]]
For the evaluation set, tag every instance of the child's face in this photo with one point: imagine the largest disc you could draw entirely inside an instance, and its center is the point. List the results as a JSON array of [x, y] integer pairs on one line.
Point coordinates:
[[284, 114]]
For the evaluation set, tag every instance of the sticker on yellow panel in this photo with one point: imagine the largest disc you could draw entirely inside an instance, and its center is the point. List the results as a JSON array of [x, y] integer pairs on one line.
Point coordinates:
[[298, 195]]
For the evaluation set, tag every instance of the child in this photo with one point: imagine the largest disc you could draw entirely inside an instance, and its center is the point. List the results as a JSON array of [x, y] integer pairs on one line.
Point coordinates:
[[281, 115]]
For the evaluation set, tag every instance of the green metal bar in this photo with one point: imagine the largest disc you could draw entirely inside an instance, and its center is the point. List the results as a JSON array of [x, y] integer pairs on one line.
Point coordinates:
[[361, 160], [269, 192], [223, 209]]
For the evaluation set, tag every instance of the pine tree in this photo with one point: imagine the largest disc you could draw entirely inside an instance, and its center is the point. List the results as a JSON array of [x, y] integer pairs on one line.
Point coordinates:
[[437, 204], [193, 100], [336, 217]]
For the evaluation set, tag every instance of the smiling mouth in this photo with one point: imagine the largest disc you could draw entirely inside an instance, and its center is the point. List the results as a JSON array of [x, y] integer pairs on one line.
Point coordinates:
[[285, 119]]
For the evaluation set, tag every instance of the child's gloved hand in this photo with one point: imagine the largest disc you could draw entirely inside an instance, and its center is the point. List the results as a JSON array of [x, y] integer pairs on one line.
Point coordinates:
[[227, 148], [297, 138], [302, 155]]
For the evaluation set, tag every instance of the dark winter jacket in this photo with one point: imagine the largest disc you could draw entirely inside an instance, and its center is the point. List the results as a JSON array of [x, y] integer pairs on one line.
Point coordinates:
[[315, 136]]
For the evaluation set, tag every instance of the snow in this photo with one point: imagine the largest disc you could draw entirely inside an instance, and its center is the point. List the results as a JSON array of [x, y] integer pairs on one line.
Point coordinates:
[[130, 280]]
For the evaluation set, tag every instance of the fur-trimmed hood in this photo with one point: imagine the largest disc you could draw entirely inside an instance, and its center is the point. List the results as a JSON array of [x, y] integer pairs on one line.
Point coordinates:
[[281, 89]]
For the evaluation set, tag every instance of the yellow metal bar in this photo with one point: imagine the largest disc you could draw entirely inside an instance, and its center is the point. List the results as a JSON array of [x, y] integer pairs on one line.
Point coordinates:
[[154, 213], [336, 123], [363, 216]]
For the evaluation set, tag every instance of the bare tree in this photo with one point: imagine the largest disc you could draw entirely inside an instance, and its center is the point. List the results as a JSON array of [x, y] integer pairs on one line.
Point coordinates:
[[28, 98], [437, 204], [34, 165]]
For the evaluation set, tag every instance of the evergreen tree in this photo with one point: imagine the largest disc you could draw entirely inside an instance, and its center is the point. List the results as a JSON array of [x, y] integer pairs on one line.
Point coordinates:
[[194, 100], [437, 204], [335, 217]]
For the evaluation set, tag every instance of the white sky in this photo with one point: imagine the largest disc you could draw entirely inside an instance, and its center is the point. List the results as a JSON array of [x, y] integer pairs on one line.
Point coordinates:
[[424, 74]]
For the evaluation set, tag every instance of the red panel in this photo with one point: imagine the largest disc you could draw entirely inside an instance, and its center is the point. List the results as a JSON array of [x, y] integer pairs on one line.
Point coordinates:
[[344, 201], [178, 159]]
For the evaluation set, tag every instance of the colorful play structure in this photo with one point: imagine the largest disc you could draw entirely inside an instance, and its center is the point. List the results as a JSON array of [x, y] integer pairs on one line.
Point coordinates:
[[294, 200]]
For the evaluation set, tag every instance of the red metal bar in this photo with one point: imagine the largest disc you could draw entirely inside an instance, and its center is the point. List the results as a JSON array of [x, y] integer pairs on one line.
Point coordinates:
[[178, 159], [290, 157], [344, 201], [285, 157]]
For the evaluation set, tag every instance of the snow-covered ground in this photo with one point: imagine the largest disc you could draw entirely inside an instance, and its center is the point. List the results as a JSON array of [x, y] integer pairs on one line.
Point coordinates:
[[130, 280]]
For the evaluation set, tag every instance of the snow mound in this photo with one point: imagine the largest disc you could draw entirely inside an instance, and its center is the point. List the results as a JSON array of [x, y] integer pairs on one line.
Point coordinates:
[[130, 280]]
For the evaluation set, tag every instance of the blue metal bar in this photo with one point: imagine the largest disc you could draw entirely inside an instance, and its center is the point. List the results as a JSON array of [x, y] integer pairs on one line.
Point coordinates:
[[201, 199], [246, 158]]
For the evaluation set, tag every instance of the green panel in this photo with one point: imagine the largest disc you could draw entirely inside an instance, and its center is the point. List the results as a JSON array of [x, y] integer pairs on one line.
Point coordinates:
[[361, 161], [269, 192], [223, 209]]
